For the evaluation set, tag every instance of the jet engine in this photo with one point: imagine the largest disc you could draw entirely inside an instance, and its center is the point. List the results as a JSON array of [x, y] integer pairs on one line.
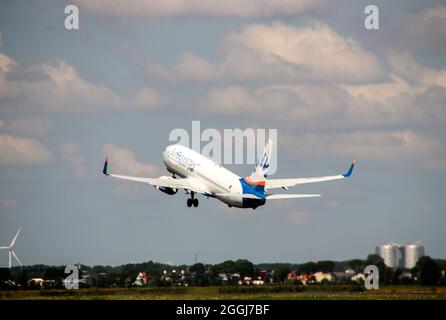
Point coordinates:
[[167, 190]]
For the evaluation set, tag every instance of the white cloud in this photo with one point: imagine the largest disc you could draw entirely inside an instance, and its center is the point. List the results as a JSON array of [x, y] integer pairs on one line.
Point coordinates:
[[404, 145], [57, 86], [426, 30], [434, 13], [6, 63], [22, 151], [230, 100], [31, 125], [148, 98], [392, 102], [123, 161], [278, 52], [236, 8], [287, 103], [381, 91], [317, 48], [405, 64], [69, 152], [413, 94], [312, 74]]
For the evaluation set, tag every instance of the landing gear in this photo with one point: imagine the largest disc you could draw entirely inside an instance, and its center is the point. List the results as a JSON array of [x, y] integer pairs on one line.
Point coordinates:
[[192, 201]]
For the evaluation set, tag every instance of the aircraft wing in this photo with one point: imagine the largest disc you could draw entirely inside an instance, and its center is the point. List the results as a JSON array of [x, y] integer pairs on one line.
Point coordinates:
[[169, 182], [285, 183]]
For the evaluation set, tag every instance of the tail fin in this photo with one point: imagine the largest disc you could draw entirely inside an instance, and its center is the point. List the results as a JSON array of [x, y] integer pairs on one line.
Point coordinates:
[[257, 179], [263, 165]]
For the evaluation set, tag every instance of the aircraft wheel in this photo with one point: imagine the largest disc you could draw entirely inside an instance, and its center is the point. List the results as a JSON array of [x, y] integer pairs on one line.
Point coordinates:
[[195, 202], [189, 203]]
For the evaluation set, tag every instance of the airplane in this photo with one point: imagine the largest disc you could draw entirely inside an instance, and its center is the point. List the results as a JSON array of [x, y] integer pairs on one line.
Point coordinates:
[[197, 174]]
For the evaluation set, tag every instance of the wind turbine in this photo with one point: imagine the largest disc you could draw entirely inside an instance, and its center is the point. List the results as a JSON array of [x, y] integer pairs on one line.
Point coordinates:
[[11, 252]]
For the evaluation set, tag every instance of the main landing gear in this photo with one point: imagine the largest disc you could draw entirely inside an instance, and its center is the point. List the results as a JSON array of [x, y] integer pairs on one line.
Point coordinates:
[[192, 201]]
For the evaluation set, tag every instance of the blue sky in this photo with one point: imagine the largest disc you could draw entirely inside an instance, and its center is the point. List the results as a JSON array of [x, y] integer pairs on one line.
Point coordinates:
[[118, 85]]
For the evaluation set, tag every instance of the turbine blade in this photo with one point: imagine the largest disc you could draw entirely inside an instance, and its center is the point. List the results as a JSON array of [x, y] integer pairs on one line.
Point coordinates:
[[15, 237], [10, 259], [4, 248], [17, 258]]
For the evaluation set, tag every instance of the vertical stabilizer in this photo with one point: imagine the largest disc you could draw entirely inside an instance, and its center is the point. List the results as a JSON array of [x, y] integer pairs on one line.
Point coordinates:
[[258, 178], [264, 162]]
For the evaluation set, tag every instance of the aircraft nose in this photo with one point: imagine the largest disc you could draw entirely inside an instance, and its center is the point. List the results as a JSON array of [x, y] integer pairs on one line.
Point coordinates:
[[168, 148], [166, 152]]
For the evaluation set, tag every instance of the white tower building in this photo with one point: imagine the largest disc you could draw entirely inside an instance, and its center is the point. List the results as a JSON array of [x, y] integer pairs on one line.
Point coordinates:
[[411, 253], [390, 252]]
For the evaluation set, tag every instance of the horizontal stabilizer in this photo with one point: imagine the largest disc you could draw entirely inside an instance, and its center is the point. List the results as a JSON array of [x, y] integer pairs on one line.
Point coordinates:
[[290, 196]]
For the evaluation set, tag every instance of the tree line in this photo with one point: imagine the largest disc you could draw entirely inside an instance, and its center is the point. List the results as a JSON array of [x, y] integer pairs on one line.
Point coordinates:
[[426, 272]]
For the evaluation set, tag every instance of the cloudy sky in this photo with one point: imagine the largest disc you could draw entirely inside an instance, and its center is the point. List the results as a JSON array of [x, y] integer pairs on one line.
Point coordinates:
[[135, 70]]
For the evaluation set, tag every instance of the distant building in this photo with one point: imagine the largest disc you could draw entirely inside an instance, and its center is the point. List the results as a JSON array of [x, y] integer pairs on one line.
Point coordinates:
[[350, 272], [411, 252], [405, 275], [235, 276], [223, 277], [397, 256], [391, 254], [292, 276], [141, 280], [36, 282], [321, 276], [41, 283], [342, 276], [258, 282], [245, 280]]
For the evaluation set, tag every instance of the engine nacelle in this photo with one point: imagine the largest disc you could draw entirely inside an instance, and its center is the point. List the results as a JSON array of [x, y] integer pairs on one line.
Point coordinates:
[[167, 190]]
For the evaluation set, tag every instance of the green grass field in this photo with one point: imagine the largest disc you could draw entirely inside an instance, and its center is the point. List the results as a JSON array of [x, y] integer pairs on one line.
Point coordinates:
[[263, 293]]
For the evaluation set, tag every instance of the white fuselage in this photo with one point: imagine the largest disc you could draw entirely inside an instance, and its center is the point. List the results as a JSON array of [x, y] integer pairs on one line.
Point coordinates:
[[186, 163]]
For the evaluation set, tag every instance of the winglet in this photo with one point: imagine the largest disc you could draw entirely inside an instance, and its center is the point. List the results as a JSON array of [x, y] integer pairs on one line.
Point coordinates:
[[104, 171], [350, 170]]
